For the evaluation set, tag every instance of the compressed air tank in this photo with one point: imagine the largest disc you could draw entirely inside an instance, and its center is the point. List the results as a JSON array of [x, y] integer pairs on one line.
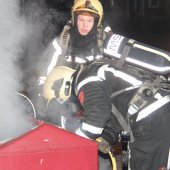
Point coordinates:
[[138, 54]]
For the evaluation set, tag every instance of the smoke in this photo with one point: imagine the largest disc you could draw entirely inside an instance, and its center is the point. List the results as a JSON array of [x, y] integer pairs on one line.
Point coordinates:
[[13, 120], [27, 29], [43, 25]]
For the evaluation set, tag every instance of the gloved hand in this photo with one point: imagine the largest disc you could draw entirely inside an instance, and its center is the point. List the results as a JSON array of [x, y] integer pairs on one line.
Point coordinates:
[[103, 145]]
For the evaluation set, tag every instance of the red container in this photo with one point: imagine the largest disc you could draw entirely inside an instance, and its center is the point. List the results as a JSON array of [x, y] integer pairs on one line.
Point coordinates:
[[48, 147]]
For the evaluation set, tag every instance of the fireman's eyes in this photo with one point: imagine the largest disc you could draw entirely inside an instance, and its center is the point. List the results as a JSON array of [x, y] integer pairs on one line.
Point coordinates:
[[83, 20]]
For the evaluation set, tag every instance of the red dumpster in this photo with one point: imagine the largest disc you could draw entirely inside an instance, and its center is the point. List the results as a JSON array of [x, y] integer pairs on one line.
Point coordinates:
[[48, 147]]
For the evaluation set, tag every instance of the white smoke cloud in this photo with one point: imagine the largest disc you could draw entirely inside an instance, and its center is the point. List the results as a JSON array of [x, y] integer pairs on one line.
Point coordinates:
[[13, 121], [43, 25], [26, 29]]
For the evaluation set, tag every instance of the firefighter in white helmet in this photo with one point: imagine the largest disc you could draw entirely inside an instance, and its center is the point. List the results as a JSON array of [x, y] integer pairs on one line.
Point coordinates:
[[130, 96], [104, 91], [109, 94]]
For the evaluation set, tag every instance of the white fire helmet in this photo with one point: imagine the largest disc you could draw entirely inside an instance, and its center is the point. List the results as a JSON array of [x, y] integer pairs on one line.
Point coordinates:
[[58, 80]]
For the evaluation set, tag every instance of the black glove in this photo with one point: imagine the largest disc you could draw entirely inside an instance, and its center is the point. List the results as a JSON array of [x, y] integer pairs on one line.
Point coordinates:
[[110, 135], [103, 145]]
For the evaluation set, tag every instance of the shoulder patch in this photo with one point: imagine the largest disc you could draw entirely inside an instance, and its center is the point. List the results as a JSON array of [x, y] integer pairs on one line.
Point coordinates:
[[64, 37], [81, 97]]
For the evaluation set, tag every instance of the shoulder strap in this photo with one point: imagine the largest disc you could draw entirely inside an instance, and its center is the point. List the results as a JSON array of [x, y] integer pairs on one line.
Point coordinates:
[[65, 36], [124, 124], [103, 32], [120, 119], [125, 53], [100, 36]]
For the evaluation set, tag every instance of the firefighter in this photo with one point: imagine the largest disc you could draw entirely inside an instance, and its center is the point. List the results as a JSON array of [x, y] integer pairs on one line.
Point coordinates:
[[122, 100], [129, 94], [60, 98], [149, 126], [150, 142], [81, 40]]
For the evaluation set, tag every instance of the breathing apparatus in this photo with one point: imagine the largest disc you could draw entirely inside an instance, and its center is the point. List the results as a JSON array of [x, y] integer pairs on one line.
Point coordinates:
[[131, 52], [148, 63]]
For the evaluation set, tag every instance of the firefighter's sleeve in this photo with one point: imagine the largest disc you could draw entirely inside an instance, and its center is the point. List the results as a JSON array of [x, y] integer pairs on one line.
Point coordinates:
[[95, 101]]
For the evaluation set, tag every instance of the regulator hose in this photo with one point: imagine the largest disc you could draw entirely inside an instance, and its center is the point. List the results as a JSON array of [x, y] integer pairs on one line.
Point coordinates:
[[32, 105], [113, 160]]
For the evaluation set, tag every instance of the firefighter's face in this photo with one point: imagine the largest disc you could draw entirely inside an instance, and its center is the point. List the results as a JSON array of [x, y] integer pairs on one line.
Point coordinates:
[[85, 23]]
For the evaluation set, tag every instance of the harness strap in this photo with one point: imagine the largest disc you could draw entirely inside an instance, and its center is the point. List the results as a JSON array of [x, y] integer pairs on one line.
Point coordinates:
[[65, 36], [125, 53], [77, 76], [123, 123], [121, 119], [123, 90]]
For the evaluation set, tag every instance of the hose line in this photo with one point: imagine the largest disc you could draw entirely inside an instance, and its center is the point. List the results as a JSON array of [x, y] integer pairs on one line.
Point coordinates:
[[113, 160], [32, 105]]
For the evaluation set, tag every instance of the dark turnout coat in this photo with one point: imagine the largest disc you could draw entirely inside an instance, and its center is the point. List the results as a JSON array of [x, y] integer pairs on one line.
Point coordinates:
[[150, 124]]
